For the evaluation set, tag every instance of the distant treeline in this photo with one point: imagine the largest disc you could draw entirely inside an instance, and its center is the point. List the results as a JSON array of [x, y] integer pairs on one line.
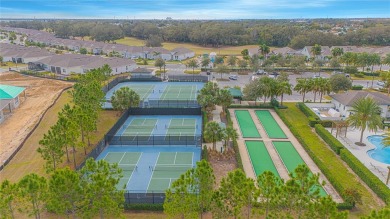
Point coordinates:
[[278, 33]]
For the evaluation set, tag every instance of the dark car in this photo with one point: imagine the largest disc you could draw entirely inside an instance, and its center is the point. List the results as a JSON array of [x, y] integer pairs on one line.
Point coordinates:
[[208, 72]]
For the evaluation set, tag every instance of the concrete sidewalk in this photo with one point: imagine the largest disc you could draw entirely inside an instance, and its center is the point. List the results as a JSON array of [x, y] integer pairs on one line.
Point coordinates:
[[217, 118]]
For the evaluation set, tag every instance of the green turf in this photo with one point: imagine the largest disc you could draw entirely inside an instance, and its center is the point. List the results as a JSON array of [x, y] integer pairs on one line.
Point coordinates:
[[261, 160], [270, 125], [247, 126], [291, 157]]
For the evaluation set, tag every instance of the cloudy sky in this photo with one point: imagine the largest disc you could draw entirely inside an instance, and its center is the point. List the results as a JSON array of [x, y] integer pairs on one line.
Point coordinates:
[[195, 9]]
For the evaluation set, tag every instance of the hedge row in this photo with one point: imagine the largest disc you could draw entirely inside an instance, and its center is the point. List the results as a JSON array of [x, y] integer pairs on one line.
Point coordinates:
[[144, 207], [235, 144], [366, 175], [323, 167], [205, 153], [313, 118], [260, 106], [329, 139]]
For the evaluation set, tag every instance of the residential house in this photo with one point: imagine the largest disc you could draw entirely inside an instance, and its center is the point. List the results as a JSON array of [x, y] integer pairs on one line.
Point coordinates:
[[9, 99], [343, 101], [142, 73], [181, 53], [21, 54], [285, 51], [67, 64], [253, 51], [325, 53]]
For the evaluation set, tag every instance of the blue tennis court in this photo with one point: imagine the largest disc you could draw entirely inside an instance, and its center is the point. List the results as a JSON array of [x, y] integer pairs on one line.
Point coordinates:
[[159, 130], [161, 94], [151, 169]]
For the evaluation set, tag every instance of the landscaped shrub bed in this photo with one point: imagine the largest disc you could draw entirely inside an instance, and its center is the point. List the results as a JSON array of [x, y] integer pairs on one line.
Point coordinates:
[[366, 175], [329, 139], [328, 162], [235, 144]]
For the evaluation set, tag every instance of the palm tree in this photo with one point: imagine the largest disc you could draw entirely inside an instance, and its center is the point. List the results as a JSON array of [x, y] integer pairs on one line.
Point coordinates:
[[316, 50], [230, 133], [336, 52], [213, 132], [284, 87], [267, 87], [303, 86], [315, 87], [192, 64], [365, 113], [264, 50], [225, 99], [325, 87]]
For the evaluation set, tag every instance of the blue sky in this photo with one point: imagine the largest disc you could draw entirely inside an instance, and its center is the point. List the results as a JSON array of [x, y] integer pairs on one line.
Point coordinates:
[[195, 9]]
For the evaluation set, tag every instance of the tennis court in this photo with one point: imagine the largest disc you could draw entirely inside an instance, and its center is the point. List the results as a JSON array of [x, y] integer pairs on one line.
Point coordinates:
[[127, 161], [247, 126], [169, 166], [180, 92], [161, 94], [159, 130], [150, 169]]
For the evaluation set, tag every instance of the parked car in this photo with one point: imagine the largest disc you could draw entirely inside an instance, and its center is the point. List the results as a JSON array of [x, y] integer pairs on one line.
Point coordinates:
[[208, 72], [261, 72], [380, 83], [233, 77], [273, 75]]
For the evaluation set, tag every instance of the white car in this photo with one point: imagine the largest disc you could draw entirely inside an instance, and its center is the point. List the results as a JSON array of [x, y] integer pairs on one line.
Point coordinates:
[[233, 77], [380, 83]]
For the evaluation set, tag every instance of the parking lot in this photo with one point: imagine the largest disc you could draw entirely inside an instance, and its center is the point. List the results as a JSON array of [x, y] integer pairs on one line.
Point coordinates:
[[242, 80]]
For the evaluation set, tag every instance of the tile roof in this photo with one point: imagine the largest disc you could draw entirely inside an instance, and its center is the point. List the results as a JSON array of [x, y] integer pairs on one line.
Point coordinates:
[[350, 97]]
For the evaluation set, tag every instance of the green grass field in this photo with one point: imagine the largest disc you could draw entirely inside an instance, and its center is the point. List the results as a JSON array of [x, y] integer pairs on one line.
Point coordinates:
[[199, 50], [338, 168]]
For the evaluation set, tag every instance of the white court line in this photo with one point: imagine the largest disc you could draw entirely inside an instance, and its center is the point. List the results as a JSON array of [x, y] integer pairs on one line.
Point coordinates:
[[174, 161], [122, 158], [192, 159], [170, 181], [133, 170], [147, 188]]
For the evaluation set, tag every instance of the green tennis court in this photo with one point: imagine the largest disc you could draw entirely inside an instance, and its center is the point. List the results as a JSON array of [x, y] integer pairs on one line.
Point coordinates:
[[142, 90], [182, 127], [169, 166], [179, 92], [260, 158], [270, 125], [247, 126], [140, 128], [291, 157], [127, 161]]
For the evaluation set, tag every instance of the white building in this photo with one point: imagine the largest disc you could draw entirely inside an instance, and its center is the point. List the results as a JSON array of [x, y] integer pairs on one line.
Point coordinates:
[[9, 99], [325, 53], [74, 63], [21, 54], [343, 101], [181, 53]]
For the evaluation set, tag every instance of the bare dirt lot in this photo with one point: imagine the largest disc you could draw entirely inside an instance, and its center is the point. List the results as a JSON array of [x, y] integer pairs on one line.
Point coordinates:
[[40, 94]]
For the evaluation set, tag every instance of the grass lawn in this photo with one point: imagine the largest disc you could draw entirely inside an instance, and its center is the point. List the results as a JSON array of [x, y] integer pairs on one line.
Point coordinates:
[[27, 160], [199, 50], [13, 65], [336, 166]]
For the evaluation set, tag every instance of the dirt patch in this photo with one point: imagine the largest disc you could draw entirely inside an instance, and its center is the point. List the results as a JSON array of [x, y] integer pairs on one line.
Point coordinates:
[[40, 94], [222, 163]]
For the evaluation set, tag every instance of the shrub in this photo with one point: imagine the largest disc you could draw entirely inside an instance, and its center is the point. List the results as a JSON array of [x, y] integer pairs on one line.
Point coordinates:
[[357, 87], [329, 139], [326, 123], [366, 175], [350, 70], [359, 75], [205, 153], [307, 111]]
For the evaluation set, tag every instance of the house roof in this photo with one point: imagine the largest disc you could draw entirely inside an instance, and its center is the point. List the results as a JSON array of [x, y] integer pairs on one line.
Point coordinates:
[[141, 70], [350, 97], [181, 50], [235, 92], [10, 92]]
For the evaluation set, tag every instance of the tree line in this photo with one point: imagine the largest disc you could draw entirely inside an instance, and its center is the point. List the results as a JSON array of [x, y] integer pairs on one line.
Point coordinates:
[[238, 196], [76, 121], [277, 33]]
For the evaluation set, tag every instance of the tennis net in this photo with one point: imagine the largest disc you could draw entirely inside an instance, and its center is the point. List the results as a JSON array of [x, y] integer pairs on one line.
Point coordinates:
[[171, 168], [181, 126], [140, 127], [128, 167]]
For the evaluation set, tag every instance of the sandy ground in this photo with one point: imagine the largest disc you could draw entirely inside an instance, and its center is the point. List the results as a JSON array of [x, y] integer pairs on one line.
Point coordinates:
[[222, 164], [40, 94]]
